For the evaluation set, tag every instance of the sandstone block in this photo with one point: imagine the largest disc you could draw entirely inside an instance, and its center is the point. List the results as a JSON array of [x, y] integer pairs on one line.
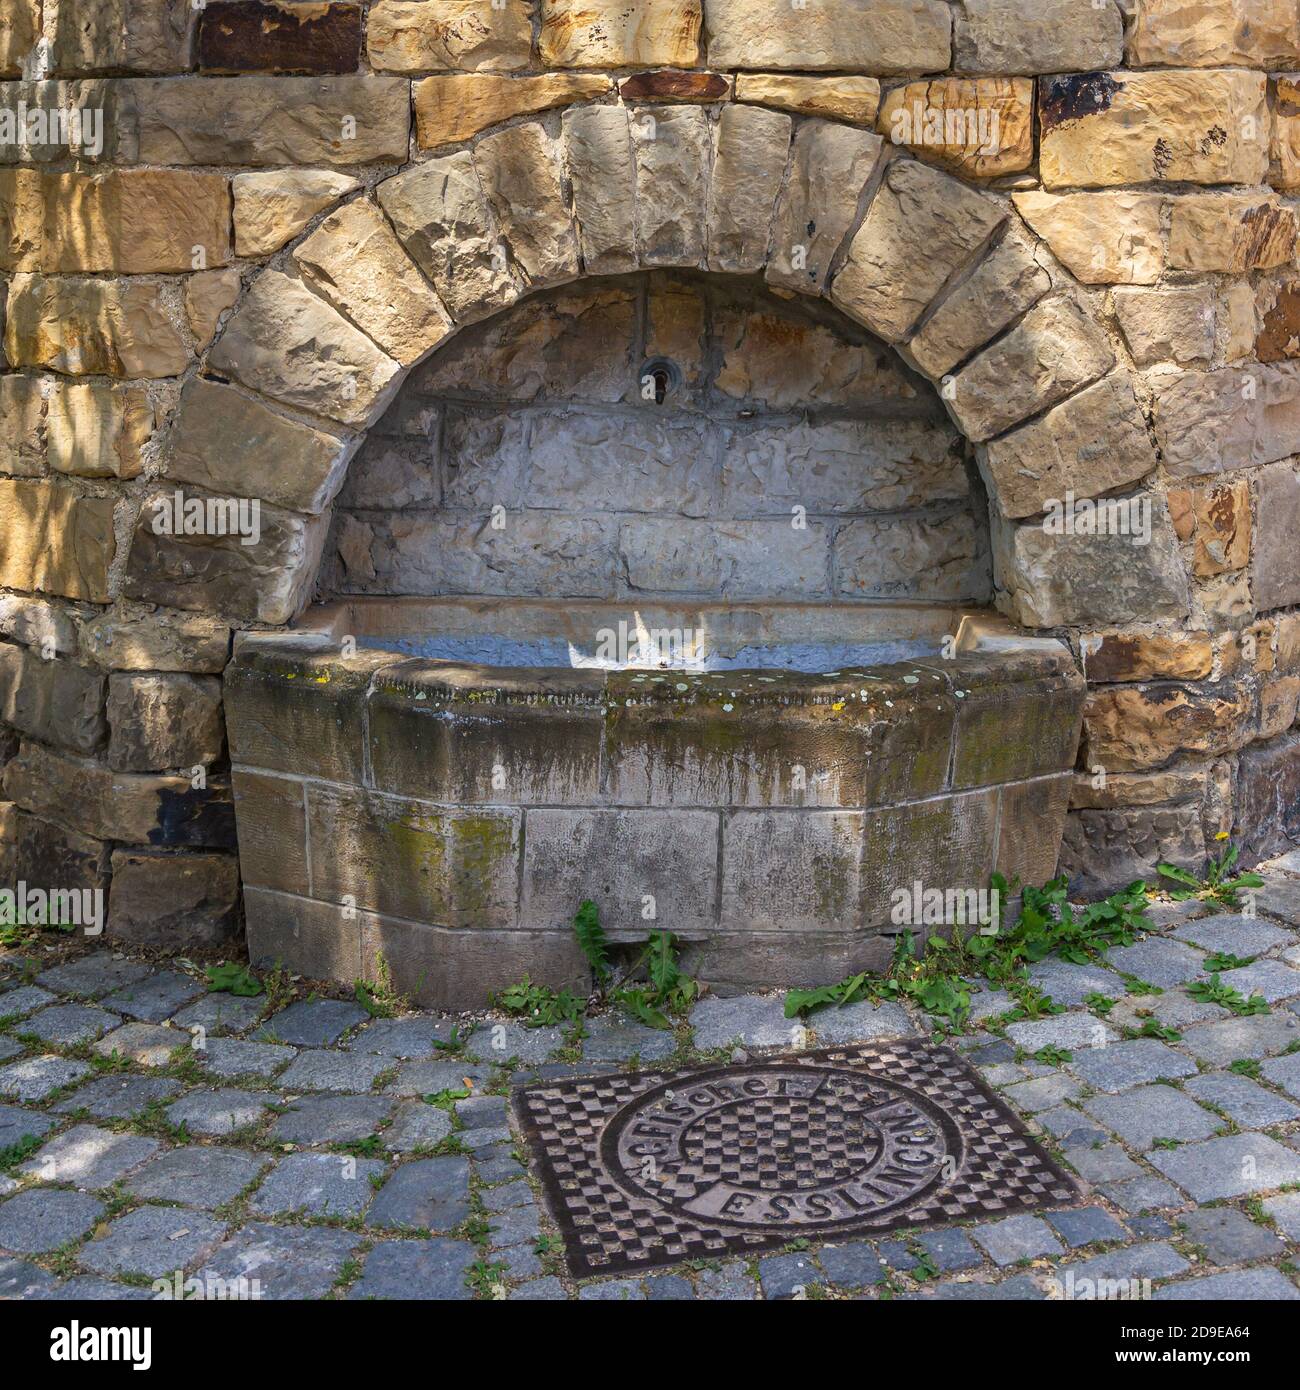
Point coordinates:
[[1090, 444], [830, 166], [355, 260], [886, 37], [1050, 354], [99, 430], [227, 442], [156, 641], [519, 169], [852, 99], [672, 84], [445, 222], [1267, 819], [1101, 238], [164, 721], [1129, 727], [1050, 579], [92, 327], [1276, 581], [939, 560], [40, 853], [279, 36], [1101, 129], [22, 426], [51, 699], [1218, 520], [981, 127], [176, 900], [271, 814], [1202, 33], [273, 120], [288, 344], [207, 296], [1006, 282], [749, 161], [1104, 851], [619, 34], [20, 27], [113, 36], [453, 108], [55, 541], [883, 283], [35, 622], [1037, 36], [602, 170], [1136, 656], [449, 36], [1209, 422], [321, 940], [1230, 232], [273, 206], [1175, 323], [671, 146], [1284, 149]]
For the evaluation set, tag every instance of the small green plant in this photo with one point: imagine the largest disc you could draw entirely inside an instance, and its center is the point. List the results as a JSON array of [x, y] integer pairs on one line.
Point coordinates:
[[539, 1006], [1217, 885], [1167, 1143], [12, 1155], [1214, 991], [592, 940], [1099, 1003], [1225, 960], [379, 997], [445, 1100], [232, 978], [1053, 1056], [1153, 1028], [1246, 1066]]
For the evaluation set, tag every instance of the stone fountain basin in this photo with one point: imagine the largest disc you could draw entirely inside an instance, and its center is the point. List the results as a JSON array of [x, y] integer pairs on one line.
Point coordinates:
[[451, 815]]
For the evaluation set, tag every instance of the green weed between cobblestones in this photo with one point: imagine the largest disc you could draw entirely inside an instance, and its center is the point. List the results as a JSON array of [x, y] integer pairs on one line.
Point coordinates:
[[1216, 886], [664, 992]]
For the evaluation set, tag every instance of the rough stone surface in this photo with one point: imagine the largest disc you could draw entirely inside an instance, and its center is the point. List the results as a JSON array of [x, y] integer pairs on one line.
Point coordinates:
[[271, 207]]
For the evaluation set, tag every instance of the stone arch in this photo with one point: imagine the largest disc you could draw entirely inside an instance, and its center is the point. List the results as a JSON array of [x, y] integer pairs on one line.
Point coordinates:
[[947, 274]]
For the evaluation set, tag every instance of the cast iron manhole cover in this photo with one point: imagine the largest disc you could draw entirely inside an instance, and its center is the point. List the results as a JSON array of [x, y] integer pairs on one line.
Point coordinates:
[[651, 1168]]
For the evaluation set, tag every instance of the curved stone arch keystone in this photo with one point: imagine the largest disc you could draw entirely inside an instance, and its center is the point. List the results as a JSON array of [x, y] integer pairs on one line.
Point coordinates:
[[945, 273]]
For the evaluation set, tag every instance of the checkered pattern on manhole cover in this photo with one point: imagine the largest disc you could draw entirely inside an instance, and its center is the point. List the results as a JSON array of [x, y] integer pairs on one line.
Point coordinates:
[[654, 1168]]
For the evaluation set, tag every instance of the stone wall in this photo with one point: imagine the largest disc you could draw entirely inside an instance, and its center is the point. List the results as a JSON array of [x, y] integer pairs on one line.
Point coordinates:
[[780, 455], [273, 211]]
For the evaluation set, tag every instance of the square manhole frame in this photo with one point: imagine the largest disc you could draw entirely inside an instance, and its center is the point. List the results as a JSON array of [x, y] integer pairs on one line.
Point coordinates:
[[957, 1198]]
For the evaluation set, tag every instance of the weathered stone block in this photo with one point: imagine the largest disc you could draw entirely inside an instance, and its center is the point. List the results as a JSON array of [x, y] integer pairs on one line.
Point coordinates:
[[1050, 354], [234, 444], [601, 167], [792, 871], [453, 108], [1037, 36], [279, 36], [1123, 656], [45, 855], [1217, 519], [1104, 851], [749, 160], [886, 37], [1230, 232], [454, 735], [614, 33], [519, 169], [629, 863], [273, 206], [92, 327], [1132, 727], [1276, 579], [121, 806], [50, 699], [1006, 282], [980, 127], [1175, 323], [267, 581], [931, 559], [319, 940], [35, 622], [1284, 149], [1090, 444], [457, 868], [741, 559], [174, 900], [445, 222], [112, 36], [1100, 129], [1209, 422], [273, 120], [450, 36], [1010, 733], [830, 166], [98, 430], [672, 84], [1049, 578], [945, 842], [1194, 33], [740, 962], [295, 707], [156, 641], [671, 146], [20, 27], [1101, 238], [55, 541], [164, 721], [883, 283], [271, 816], [286, 343], [354, 260], [1031, 820], [22, 426], [852, 99], [1267, 817]]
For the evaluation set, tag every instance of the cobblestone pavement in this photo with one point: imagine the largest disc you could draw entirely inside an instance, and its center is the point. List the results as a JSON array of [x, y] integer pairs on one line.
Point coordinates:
[[325, 1153]]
